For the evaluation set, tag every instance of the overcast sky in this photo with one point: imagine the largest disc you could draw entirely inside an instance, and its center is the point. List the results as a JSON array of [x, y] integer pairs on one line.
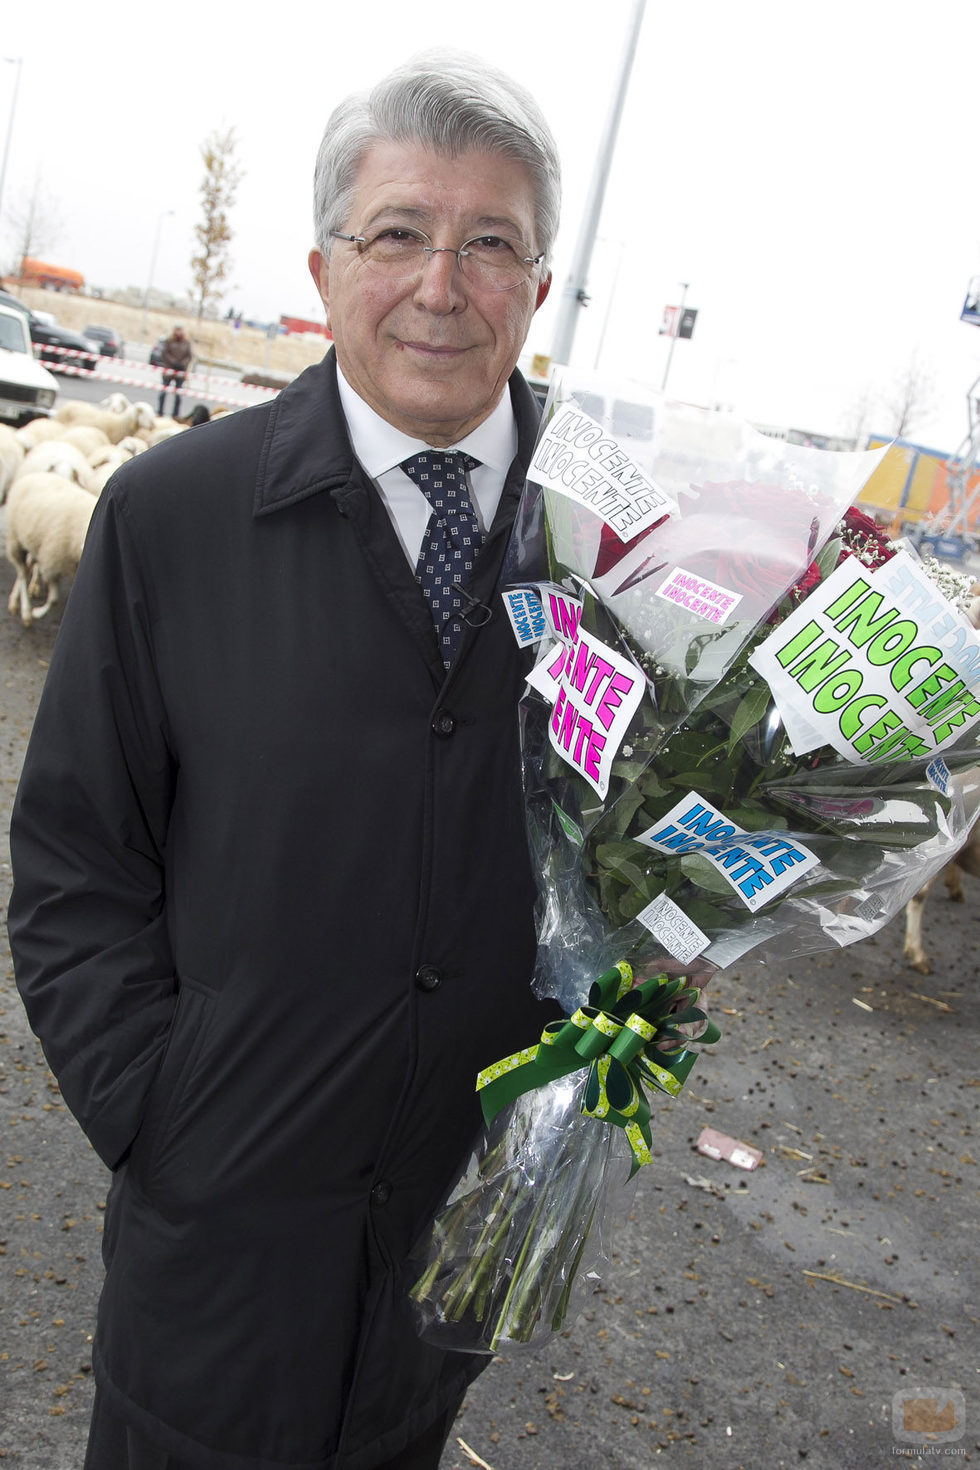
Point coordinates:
[[811, 170]]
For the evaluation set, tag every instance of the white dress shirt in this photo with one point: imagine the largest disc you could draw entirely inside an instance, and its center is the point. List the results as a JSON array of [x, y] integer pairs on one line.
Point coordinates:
[[381, 447]]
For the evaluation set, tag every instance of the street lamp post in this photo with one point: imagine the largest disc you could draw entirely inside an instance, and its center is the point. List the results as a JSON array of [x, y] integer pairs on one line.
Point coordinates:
[[575, 296], [18, 62], [153, 265], [677, 326]]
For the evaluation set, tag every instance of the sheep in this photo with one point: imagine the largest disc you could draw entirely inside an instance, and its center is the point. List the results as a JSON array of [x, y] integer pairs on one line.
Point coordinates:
[[132, 444], [12, 453], [115, 403], [119, 403], [47, 519], [85, 437], [109, 453], [61, 459], [166, 430], [115, 425], [39, 430], [967, 860], [109, 461]]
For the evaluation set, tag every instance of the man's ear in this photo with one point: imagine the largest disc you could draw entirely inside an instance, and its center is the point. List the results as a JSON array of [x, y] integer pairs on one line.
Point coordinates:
[[543, 290], [319, 267]]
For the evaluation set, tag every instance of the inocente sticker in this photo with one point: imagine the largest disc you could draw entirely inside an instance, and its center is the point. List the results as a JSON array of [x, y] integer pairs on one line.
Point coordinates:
[[875, 664], [758, 865], [593, 690], [698, 595], [578, 458]]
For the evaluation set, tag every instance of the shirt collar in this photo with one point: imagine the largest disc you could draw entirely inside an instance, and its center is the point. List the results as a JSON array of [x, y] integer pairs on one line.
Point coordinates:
[[380, 446]]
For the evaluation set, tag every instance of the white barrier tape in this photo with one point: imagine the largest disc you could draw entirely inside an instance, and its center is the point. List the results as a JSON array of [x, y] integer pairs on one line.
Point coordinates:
[[195, 385]]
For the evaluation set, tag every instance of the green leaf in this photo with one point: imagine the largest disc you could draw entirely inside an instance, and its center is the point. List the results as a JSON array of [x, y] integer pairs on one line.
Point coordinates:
[[827, 560], [704, 874], [651, 785], [749, 712]]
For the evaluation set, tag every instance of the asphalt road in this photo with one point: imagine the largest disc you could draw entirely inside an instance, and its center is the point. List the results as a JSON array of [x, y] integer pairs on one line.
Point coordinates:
[[133, 376], [758, 1320]]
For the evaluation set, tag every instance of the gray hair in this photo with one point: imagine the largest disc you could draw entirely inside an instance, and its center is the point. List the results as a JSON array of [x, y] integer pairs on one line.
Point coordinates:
[[448, 102]]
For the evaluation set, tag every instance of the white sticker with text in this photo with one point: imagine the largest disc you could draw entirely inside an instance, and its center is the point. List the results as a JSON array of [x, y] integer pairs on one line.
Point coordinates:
[[526, 615], [594, 692], [578, 458], [669, 924], [758, 865], [698, 595], [877, 664]]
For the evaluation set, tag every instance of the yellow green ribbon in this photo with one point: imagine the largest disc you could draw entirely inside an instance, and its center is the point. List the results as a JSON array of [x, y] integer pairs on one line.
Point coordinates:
[[629, 1038]]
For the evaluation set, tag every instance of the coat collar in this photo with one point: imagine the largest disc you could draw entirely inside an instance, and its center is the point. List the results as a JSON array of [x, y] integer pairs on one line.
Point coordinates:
[[307, 448]]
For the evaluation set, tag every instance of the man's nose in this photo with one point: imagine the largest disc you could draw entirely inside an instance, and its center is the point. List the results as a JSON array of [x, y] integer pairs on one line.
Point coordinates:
[[441, 287]]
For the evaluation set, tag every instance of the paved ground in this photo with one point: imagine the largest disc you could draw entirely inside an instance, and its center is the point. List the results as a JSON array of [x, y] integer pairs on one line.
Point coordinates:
[[747, 1320]]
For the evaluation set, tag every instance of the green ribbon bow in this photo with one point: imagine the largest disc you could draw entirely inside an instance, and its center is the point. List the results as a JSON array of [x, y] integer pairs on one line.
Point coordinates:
[[629, 1039]]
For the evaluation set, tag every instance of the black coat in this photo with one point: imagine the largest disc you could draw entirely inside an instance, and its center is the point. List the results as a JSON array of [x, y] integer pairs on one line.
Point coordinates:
[[272, 912]]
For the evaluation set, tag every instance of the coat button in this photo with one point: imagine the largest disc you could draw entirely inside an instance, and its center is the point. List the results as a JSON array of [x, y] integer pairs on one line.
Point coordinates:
[[428, 977], [381, 1193], [443, 724]]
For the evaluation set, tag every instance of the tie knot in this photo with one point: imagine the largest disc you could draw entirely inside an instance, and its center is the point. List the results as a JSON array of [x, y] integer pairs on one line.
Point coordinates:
[[436, 469]]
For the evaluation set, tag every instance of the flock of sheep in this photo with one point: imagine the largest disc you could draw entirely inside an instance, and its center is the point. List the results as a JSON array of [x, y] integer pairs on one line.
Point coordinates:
[[51, 473]]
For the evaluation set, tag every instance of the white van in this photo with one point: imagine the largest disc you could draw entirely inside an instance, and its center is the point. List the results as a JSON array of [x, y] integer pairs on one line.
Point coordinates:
[[27, 390]]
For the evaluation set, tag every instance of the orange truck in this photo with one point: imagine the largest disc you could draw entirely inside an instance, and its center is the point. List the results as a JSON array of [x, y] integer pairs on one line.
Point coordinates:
[[53, 277]]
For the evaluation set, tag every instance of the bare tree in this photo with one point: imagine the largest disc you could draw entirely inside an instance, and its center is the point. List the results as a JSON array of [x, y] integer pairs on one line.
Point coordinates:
[[36, 224], [219, 185], [860, 418], [911, 398]]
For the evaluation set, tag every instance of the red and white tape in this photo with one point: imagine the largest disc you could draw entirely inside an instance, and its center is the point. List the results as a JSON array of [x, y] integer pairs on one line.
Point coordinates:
[[195, 385]]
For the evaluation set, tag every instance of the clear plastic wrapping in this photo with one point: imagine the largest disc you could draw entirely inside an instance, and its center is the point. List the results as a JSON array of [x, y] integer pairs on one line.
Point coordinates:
[[759, 527], [524, 1225], [751, 727]]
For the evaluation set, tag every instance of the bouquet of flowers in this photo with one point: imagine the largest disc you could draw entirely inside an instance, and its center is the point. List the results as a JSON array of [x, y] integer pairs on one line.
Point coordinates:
[[751, 726]]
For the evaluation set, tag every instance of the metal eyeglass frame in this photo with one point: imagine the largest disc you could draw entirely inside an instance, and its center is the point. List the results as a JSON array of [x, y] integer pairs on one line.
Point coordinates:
[[430, 249]]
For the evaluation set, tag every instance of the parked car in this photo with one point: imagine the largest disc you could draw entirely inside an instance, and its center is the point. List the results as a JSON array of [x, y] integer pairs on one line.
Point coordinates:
[[62, 349], [109, 341], [156, 353], [27, 390], [7, 300]]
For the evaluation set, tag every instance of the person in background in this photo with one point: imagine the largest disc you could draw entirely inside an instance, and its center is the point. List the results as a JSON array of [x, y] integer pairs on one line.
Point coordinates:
[[273, 902], [177, 353]]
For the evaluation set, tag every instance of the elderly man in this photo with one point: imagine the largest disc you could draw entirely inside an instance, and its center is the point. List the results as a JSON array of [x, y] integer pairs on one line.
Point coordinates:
[[273, 904]]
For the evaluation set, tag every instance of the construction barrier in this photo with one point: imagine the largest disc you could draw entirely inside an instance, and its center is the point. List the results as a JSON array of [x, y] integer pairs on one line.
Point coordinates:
[[200, 386]]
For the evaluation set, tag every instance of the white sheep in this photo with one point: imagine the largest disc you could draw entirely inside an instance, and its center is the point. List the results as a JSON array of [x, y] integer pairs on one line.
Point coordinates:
[[60, 458], [109, 462], [107, 452], [47, 519], [115, 403], [115, 425], [165, 430], [132, 444], [85, 437], [39, 430], [12, 453]]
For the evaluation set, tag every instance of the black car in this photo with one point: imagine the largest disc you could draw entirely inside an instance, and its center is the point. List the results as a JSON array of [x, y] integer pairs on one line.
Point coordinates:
[[156, 353], [15, 305], [109, 340], [65, 351]]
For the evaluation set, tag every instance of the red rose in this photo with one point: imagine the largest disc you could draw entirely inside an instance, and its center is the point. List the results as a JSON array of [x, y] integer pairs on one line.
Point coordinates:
[[861, 538], [612, 550]]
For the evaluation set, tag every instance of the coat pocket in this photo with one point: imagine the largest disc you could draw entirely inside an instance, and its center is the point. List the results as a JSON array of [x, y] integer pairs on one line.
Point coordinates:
[[185, 1048]]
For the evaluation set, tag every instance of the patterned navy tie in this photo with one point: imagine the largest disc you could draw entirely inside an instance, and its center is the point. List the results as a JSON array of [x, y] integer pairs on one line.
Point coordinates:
[[451, 541]]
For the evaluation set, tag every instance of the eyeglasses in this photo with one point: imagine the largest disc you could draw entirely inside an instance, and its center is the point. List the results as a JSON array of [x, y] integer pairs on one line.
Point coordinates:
[[488, 262]]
